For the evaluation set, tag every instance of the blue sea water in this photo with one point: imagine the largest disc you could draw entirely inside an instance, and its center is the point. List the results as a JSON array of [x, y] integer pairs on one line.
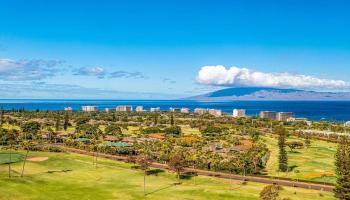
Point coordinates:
[[315, 110]]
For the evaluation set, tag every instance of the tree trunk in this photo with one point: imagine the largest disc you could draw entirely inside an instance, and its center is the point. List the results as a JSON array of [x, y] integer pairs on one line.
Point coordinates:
[[194, 175], [93, 158], [144, 183], [96, 158], [24, 163], [10, 161]]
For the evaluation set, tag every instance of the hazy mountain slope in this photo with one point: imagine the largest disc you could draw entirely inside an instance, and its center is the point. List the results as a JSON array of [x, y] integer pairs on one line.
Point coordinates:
[[263, 93]]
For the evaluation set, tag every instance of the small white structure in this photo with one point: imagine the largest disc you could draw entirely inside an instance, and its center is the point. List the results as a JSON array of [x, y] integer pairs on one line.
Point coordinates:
[[185, 110], [123, 108], [108, 109], [347, 123], [68, 108], [157, 109], [200, 111], [293, 119], [237, 113], [89, 108], [174, 109], [215, 112], [139, 109]]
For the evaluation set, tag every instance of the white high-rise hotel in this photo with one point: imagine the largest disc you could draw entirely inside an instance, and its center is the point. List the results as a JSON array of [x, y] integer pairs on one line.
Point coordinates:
[[239, 113]]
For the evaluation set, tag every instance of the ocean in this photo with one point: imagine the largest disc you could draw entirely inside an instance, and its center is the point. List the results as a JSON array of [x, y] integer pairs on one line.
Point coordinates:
[[315, 110]]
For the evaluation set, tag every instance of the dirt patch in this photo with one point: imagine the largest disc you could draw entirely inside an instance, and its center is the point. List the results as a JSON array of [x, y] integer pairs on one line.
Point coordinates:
[[37, 159]]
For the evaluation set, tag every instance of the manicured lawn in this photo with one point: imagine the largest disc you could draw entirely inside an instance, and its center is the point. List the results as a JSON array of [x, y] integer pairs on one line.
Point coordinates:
[[315, 163], [5, 157], [72, 176]]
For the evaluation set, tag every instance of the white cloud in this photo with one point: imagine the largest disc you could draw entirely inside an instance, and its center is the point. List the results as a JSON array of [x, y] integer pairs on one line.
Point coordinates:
[[220, 76], [92, 71]]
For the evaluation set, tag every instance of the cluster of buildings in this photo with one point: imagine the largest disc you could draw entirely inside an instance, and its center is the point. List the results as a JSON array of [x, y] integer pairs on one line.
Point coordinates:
[[122, 108], [237, 113], [272, 115]]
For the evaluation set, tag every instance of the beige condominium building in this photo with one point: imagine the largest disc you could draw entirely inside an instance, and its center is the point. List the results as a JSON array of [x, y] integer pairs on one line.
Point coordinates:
[[284, 116], [89, 108], [272, 115], [215, 112], [200, 111], [185, 110], [123, 108]]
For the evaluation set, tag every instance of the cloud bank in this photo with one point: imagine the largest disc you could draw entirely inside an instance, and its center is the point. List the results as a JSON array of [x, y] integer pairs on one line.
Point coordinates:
[[125, 74], [24, 70], [242, 77], [101, 73], [40, 90]]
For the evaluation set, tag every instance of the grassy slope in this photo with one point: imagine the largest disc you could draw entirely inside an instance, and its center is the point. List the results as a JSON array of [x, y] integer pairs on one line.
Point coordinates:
[[115, 180], [311, 163]]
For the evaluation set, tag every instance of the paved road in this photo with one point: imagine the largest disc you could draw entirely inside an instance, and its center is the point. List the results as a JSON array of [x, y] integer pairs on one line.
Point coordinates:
[[289, 183]]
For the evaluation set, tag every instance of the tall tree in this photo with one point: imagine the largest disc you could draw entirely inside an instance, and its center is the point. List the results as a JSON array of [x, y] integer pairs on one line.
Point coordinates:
[[307, 141], [282, 158], [342, 163], [30, 129], [178, 162], [145, 162], [155, 117], [1, 116], [66, 121], [172, 119], [57, 123]]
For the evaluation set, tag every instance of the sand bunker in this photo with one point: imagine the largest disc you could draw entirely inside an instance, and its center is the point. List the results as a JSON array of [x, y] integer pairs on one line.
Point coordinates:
[[37, 159]]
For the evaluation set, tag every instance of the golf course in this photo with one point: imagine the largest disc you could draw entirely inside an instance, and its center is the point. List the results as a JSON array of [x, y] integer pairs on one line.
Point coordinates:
[[50, 175]]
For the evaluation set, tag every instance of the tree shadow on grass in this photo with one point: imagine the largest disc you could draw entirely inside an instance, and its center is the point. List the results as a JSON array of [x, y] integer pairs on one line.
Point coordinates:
[[291, 168], [59, 171], [187, 175], [294, 152], [154, 172], [160, 189]]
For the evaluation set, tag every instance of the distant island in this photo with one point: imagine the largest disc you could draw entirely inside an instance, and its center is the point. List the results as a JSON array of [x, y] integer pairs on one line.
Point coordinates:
[[266, 93]]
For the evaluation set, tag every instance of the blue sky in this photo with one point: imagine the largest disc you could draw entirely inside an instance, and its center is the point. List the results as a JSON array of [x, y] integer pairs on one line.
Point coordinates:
[[159, 49]]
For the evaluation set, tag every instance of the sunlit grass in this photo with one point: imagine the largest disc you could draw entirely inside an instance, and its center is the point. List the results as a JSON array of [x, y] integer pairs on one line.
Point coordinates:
[[72, 176], [314, 163]]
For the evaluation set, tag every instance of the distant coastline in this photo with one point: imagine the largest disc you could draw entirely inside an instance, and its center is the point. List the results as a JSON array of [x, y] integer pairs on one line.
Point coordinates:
[[314, 110]]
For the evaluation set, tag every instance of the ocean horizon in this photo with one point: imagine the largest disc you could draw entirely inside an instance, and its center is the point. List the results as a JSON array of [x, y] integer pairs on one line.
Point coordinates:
[[314, 110]]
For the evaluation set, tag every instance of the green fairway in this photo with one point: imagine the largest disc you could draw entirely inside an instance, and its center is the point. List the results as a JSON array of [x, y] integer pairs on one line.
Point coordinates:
[[72, 176], [315, 163], [5, 157]]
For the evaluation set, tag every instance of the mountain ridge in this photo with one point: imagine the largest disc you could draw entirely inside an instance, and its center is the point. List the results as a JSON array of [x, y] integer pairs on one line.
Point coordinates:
[[269, 93]]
